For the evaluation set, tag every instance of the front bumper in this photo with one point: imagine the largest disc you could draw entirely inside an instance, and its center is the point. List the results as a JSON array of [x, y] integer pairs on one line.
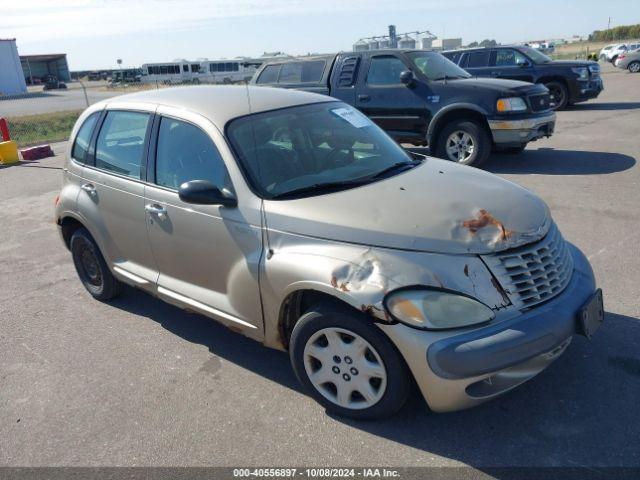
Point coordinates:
[[587, 90], [462, 370], [516, 132]]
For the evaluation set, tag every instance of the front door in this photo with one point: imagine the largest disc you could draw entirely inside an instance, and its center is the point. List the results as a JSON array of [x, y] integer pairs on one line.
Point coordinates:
[[208, 256], [112, 195], [397, 108], [510, 63]]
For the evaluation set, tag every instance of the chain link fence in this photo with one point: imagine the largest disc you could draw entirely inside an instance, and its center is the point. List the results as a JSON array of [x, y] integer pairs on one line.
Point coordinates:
[[47, 116]]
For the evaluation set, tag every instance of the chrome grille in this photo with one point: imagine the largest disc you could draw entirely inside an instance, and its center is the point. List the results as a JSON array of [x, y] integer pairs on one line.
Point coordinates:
[[533, 273], [540, 102]]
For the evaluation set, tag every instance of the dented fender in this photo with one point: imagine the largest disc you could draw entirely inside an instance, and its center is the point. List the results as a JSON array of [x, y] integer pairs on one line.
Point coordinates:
[[362, 276]]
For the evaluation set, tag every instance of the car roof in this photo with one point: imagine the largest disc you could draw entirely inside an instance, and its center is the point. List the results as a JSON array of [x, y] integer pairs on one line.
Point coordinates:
[[471, 49], [219, 103]]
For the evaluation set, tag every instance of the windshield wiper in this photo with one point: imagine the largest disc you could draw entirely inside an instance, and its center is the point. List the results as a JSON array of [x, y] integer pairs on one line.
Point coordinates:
[[394, 167], [321, 188]]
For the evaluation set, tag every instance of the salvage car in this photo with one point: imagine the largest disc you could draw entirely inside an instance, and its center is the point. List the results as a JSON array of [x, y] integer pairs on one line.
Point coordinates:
[[291, 218], [422, 98], [568, 81]]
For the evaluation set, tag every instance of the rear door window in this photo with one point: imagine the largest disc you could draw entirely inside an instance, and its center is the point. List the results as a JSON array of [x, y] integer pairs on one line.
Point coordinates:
[[478, 59], [186, 153], [81, 144], [120, 143], [269, 74]]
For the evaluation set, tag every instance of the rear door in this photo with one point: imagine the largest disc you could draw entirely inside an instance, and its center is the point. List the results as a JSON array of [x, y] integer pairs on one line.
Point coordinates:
[[208, 256], [112, 193], [510, 63], [477, 63], [398, 109]]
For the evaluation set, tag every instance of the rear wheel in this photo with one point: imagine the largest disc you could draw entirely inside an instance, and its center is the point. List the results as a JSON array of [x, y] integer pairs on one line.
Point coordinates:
[[464, 141], [91, 267], [559, 94], [347, 364], [634, 67]]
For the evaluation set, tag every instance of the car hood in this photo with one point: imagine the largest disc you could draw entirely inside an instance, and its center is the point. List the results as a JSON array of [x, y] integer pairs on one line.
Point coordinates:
[[568, 63], [499, 85], [438, 206]]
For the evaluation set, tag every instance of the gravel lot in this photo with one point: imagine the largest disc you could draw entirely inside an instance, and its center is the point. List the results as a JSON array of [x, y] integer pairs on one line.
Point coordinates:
[[139, 382]]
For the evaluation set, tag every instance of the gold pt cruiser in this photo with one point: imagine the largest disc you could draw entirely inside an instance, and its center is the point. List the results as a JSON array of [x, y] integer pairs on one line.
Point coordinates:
[[293, 219]]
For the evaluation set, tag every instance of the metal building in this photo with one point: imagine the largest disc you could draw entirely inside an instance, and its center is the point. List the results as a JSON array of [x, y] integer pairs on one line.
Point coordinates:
[[11, 77], [36, 67]]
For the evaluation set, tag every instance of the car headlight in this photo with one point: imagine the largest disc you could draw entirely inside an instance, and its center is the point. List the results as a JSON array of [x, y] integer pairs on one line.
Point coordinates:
[[594, 68], [511, 104], [436, 309], [582, 72]]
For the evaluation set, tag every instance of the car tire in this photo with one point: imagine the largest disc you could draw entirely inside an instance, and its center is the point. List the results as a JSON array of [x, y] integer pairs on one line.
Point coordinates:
[[462, 130], [559, 94], [360, 375], [92, 268], [613, 59], [634, 67]]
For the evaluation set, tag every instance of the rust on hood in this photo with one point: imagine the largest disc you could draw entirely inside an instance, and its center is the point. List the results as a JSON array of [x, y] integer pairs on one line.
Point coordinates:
[[484, 219]]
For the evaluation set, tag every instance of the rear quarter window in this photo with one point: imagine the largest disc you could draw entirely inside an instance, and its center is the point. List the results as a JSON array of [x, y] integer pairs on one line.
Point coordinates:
[[81, 143], [478, 59]]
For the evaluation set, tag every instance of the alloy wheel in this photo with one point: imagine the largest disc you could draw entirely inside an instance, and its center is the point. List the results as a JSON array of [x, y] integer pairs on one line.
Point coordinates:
[[460, 146]]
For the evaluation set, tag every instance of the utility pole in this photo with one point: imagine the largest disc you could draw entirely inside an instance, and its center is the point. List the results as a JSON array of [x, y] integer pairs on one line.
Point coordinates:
[[609, 24]]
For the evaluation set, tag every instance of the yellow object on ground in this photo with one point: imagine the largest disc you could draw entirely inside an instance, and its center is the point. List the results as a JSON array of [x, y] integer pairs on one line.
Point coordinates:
[[8, 152]]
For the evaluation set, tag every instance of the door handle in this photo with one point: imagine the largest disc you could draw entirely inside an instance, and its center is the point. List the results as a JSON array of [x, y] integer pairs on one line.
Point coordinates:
[[364, 98], [89, 188], [156, 209]]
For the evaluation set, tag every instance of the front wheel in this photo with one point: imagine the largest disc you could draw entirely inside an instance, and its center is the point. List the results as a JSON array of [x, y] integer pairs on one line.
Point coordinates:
[[634, 67], [464, 141], [347, 364], [559, 94]]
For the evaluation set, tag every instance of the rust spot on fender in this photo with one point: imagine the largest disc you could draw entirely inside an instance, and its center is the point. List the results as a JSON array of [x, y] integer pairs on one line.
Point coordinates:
[[484, 219], [466, 270], [344, 287], [334, 282], [368, 309]]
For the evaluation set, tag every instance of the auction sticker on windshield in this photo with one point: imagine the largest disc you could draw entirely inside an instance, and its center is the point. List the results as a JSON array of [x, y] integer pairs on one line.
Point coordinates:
[[352, 116]]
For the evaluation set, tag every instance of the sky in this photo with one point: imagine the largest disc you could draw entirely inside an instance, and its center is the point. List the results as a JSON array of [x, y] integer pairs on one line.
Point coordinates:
[[95, 33]]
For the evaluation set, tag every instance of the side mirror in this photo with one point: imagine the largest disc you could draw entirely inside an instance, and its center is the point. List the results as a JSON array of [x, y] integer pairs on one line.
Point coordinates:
[[203, 192], [407, 78]]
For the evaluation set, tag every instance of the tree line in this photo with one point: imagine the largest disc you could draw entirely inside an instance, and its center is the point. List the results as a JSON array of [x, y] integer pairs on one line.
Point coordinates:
[[623, 32]]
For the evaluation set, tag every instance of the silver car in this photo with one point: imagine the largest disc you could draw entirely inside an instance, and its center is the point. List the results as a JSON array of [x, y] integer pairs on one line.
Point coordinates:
[[629, 61], [294, 220]]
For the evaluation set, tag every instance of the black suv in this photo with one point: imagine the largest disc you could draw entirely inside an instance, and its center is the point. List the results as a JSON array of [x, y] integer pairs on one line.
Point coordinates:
[[422, 98], [568, 81]]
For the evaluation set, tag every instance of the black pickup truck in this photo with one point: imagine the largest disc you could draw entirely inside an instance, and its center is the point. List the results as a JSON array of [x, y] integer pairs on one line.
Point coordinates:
[[422, 98], [568, 82]]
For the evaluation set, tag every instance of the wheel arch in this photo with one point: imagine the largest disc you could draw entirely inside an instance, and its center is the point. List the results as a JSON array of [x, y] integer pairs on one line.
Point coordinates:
[[300, 299], [453, 113]]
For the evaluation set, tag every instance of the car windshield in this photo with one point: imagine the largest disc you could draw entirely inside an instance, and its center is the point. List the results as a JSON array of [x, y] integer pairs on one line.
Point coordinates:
[[313, 149], [535, 55], [435, 66]]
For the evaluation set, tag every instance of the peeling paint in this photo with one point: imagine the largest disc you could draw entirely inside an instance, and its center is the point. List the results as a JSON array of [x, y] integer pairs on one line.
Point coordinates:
[[483, 219], [466, 270], [498, 287]]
